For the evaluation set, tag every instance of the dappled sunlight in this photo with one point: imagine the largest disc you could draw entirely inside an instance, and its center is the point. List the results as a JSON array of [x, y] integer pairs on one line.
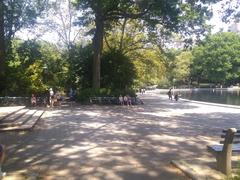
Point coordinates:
[[161, 114], [91, 113], [95, 142]]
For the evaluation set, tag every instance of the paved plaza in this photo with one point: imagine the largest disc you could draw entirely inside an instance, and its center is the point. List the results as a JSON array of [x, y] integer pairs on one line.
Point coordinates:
[[118, 142]]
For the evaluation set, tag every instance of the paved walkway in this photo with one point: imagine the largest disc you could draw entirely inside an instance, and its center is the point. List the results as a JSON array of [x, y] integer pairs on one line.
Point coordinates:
[[118, 142]]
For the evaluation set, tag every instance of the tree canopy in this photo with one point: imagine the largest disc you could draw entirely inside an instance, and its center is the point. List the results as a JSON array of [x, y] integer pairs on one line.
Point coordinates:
[[135, 44], [173, 15], [217, 58]]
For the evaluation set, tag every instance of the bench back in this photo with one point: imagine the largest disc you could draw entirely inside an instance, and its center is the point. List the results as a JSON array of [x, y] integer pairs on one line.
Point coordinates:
[[230, 137]]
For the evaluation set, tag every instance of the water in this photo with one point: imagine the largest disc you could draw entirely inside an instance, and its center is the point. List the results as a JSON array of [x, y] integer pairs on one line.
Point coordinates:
[[222, 96]]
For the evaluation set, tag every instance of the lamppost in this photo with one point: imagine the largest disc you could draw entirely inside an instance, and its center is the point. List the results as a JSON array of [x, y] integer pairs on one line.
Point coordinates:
[[45, 71], [174, 80], [189, 82], [45, 95]]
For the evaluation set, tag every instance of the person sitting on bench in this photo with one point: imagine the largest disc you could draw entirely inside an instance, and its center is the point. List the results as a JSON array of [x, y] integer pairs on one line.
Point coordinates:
[[33, 100]]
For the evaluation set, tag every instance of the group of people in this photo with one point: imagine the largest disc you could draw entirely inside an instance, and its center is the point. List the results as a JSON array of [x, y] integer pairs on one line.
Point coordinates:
[[51, 99], [54, 98], [125, 100], [171, 95]]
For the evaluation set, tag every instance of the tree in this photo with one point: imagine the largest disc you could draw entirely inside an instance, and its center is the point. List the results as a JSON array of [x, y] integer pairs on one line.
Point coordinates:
[[59, 18], [118, 71], [14, 15], [167, 13], [181, 71], [150, 68], [80, 63], [217, 59], [26, 72], [126, 36]]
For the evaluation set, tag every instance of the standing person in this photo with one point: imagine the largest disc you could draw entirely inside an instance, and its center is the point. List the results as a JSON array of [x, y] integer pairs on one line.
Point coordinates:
[[169, 93], [121, 100], [59, 98], [72, 94], [51, 97]]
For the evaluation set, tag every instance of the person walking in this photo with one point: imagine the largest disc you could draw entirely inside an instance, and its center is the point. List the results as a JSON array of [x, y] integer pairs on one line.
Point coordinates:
[[169, 93]]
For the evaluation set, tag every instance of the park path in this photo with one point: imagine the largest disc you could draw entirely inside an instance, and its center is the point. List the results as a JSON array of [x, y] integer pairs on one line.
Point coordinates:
[[118, 142]]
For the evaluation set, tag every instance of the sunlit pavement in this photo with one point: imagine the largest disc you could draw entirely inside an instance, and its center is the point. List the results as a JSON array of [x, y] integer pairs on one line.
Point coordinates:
[[118, 142]]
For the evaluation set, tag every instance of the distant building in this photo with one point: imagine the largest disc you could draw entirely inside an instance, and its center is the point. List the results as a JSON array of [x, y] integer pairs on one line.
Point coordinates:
[[235, 27]]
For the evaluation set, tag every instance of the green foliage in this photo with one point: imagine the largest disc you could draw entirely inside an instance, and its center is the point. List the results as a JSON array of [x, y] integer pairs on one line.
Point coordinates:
[[181, 71], [150, 68], [171, 15], [80, 66], [19, 14], [164, 83], [118, 71], [26, 68], [217, 59]]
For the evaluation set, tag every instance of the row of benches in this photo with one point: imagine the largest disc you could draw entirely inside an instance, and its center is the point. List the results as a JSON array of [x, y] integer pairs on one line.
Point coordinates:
[[18, 101], [112, 100]]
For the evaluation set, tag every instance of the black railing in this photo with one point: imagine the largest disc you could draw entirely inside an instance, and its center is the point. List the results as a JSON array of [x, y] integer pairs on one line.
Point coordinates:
[[14, 101]]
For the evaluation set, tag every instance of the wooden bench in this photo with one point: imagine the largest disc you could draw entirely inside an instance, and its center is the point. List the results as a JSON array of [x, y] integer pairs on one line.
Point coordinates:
[[223, 151]]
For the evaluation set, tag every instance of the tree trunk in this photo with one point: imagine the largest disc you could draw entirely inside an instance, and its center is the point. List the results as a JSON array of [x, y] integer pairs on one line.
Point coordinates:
[[122, 34], [2, 50], [2, 39], [98, 45]]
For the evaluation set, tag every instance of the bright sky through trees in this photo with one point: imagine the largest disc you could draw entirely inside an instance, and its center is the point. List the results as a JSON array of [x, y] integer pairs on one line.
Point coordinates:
[[45, 33]]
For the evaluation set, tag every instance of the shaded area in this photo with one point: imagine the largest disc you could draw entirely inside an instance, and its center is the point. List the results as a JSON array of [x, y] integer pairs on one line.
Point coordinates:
[[118, 142]]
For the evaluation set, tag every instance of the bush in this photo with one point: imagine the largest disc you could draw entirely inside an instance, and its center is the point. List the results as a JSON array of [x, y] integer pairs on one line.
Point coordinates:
[[117, 70], [164, 83]]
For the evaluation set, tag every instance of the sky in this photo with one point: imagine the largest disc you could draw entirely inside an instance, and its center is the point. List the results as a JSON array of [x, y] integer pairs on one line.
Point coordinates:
[[216, 19]]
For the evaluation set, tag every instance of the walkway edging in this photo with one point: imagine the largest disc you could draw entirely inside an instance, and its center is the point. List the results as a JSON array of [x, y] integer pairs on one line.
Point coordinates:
[[193, 174]]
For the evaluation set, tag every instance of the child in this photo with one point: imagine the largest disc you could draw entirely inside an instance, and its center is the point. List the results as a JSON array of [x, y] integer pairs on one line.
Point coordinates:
[[176, 97]]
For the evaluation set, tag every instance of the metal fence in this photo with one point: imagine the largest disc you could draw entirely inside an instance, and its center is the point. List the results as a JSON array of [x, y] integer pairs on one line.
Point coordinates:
[[14, 101]]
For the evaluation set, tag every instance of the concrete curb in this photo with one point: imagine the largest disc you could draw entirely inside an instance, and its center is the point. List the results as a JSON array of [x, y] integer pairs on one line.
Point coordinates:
[[211, 104], [203, 172], [186, 170]]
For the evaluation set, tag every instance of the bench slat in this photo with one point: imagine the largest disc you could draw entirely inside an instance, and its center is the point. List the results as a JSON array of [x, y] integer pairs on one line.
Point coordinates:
[[224, 131], [236, 136], [234, 142], [219, 147]]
